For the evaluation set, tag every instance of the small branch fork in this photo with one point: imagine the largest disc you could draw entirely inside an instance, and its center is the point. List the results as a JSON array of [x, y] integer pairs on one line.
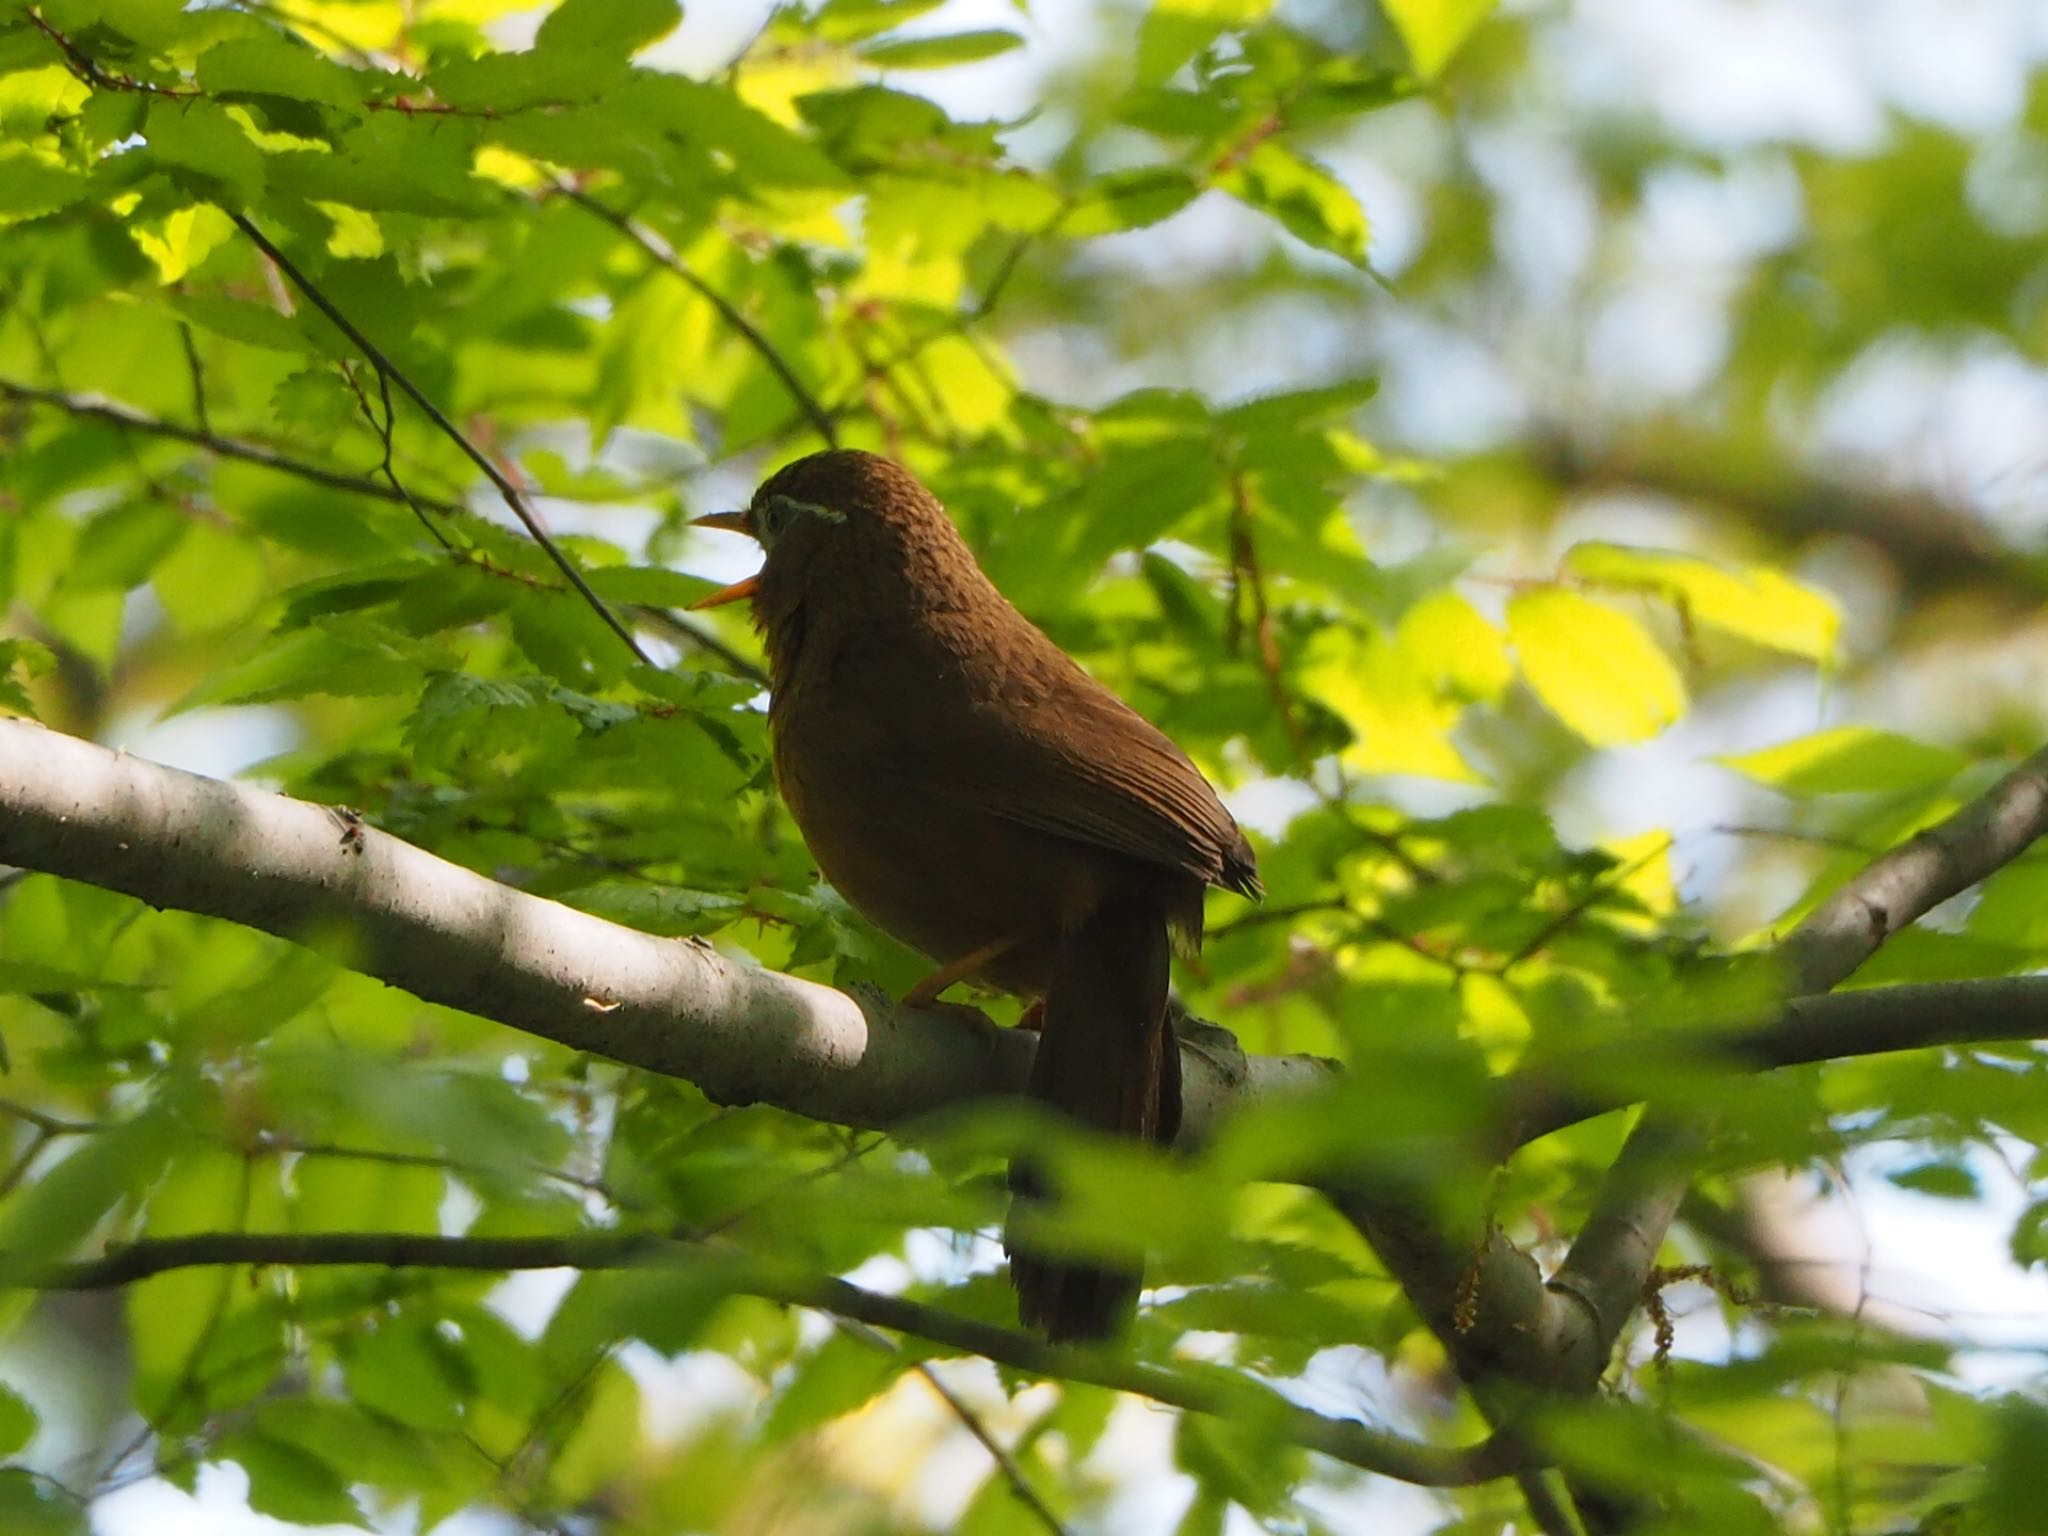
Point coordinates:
[[652, 242], [389, 373], [1563, 1336], [88, 407]]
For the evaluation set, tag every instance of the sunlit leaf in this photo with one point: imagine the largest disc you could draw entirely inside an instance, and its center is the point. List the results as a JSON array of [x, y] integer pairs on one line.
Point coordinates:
[[1595, 667], [1848, 760]]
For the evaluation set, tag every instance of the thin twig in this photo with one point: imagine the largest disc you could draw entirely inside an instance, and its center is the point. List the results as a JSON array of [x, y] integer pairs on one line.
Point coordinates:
[[196, 374], [513, 496], [1346, 1440], [1013, 1474], [384, 426], [655, 245], [1587, 899], [48, 1124], [99, 408], [974, 1423]]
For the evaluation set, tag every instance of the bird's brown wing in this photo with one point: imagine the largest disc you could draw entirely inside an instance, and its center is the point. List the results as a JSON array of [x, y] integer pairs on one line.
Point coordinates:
[[1074, 760]]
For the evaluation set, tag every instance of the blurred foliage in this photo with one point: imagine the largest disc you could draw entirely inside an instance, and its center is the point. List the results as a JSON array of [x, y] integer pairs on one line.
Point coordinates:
[[635, 289]]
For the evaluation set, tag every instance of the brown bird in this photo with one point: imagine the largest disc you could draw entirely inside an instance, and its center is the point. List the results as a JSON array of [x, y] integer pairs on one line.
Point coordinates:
[[974, 793]]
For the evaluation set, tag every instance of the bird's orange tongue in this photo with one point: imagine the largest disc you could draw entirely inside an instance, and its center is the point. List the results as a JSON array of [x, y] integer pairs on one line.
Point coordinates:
[[731, 594]]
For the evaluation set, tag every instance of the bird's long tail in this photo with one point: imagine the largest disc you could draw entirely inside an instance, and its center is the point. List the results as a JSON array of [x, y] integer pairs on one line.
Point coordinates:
[[1106, 1059]]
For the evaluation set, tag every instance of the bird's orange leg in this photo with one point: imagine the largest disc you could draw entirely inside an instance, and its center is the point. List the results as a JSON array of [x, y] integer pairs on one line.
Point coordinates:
[[926, 992]]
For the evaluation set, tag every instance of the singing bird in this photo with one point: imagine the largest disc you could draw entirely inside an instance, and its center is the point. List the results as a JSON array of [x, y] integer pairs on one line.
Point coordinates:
[[972, 792]]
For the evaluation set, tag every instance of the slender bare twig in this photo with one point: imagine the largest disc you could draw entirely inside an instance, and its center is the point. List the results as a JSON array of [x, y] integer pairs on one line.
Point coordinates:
[[1586, 900], [513, 496], [1345, 1440], [1020, 1485], [385, 426], [657, 246], [96, 407], [196, 374]]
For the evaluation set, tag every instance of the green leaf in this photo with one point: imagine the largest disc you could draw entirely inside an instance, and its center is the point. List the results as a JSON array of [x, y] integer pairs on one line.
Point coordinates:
[[604, 1441], [47, 1219], [1309, 202], [290, 1483], [851, 21], [31, 186], [1123, 200], [1435, 29], [1849, 760], [1299, 410], [404, 1369], [274, 64], [17, 1422], [1945, 1180], [256, 325], [1174, 31], [342, 657], [837, 1377], [1596, 668], [205, 151], [619, 27], [939, 52], [31, 1507], [28, 657]]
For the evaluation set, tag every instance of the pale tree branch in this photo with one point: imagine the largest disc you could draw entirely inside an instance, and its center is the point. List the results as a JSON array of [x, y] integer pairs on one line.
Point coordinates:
[[1893, 891], [1608, 1266], [674, 1006]]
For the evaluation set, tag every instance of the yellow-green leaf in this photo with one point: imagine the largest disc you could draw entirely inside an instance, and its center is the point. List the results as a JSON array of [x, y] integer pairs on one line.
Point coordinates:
[[1435, 29], [1452, 645], [1400, 720], [1849, 760], [1309, 202], [1757, 603], [1596, 668]]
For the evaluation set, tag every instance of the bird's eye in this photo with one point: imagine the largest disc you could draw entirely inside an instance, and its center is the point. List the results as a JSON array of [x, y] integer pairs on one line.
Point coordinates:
[[776, 515]]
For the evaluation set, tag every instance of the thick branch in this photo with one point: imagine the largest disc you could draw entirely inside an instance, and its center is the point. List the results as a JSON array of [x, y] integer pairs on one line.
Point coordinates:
[[673, 1006], [1831, 1027], [1903, 885], [1344, 1439], [742, 1034]]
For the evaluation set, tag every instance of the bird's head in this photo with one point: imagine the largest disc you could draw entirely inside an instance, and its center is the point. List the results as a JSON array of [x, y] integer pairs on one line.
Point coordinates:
[[840, 522]]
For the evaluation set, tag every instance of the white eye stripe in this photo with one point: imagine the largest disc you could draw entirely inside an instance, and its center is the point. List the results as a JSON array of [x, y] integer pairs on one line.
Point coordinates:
[[776, 513]]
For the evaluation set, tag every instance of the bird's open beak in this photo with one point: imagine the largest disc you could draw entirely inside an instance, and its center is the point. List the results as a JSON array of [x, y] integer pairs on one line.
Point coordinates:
[[731, 522], [731, 594]]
